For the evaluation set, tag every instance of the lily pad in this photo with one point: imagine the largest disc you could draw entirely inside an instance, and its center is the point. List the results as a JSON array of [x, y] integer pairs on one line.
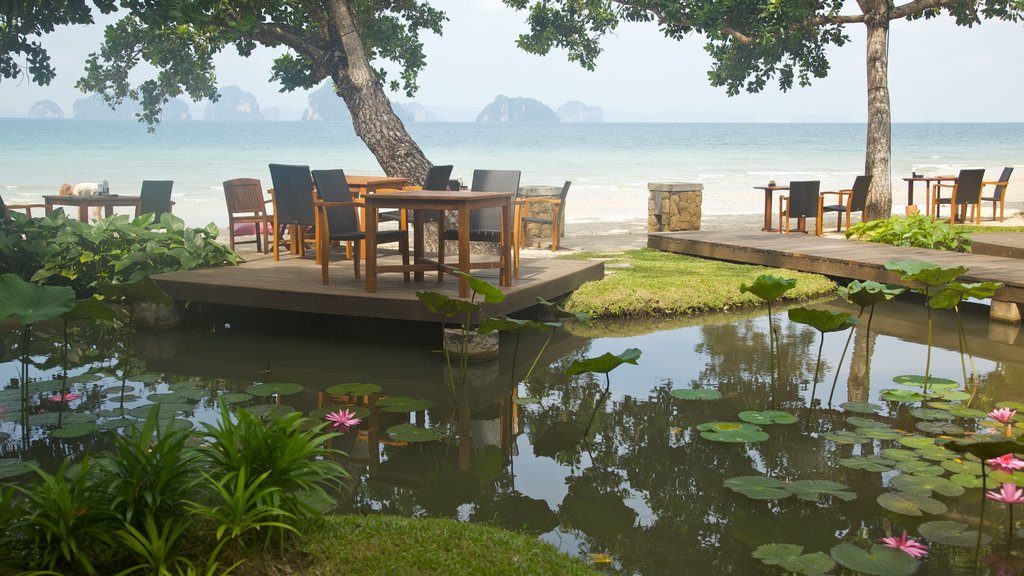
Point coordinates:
[[920, 468], [118, 390], [272, 388], [968, 480], [696, 394], [964, 412], [411, 433], [354, 389], [604, 363], [900, 455], [934, 383], [910, 504], [166, 410], [814, 489], [880, 561], [930, 414], [767, 417], [957, 466], [758, 487], [901, 395], [861, 407], [400, 404], [952, 533], [954, 395], [939, 428], [882, 433], [846, 437], [733, 432], [926, 485], [270, 411], [233, 397], [11, 467], [917, 441], [871, 463], [791, 558], [860, 422], [75, 430]]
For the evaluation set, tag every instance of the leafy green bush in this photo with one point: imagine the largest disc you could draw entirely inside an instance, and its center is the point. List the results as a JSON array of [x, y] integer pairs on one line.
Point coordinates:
[[919, 231], [56, 250]]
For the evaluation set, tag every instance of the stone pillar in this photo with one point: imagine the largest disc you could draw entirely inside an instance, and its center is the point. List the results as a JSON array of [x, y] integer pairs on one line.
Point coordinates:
[[674, 206]]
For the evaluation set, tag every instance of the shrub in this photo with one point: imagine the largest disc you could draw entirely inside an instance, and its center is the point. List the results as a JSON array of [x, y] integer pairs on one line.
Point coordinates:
[[919, 231]]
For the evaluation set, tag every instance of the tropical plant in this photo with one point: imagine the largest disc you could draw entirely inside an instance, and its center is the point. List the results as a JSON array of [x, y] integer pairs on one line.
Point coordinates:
[[919, 231], [287, 453], [768, 288], [823, 321], [155, 546]]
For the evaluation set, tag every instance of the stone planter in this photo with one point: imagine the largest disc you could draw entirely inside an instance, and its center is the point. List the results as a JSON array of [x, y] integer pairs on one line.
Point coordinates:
[[149, 316], [479, 347], [674, 206]]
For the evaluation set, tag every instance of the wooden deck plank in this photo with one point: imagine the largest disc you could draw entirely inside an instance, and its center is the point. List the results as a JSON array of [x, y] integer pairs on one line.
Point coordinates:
[[838, 257], [293, 284]]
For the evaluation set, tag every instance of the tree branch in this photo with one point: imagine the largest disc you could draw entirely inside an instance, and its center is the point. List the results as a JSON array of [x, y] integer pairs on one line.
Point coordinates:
[[916, 6]]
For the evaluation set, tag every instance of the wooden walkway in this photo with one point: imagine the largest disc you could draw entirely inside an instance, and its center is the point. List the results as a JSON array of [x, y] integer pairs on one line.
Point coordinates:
[[838, 257], [293, 284]]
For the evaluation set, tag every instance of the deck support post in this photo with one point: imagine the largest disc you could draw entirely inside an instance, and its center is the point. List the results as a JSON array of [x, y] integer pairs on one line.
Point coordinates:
[[1008, 312]]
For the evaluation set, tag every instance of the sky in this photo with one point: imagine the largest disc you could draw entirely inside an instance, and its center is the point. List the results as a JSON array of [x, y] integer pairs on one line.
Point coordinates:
[[938, 72]]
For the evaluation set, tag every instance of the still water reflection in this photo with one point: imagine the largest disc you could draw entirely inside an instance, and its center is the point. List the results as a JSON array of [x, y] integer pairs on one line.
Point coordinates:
[[613, 472]]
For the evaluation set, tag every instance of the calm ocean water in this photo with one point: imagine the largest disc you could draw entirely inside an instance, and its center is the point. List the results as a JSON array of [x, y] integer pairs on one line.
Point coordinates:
[[610, 164]]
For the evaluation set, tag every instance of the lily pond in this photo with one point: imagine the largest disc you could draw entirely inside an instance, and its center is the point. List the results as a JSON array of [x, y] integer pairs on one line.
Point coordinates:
[[693, 460]]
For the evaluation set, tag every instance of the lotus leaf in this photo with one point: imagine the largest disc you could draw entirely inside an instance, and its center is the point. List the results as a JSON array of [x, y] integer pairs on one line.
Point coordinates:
[[926, 273], [880, 561], [767, 417], [696, 394], [30, 303], [868, 293], [411, 433], [871, 463], [910, 504], [822, 320], [354, 389], [604, 363], [403, 404], [758, 487], [278, 388], [846, 437], [768, 287], [952, 533], [861, 407], [930, 414], [790, 558], [734, 432], [901, 395], [916, 484]]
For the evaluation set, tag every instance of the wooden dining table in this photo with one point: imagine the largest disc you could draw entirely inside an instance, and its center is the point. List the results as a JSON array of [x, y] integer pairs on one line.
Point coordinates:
[[928, 180], [460, 201], [107, 202], [769, 191], [364, 185]]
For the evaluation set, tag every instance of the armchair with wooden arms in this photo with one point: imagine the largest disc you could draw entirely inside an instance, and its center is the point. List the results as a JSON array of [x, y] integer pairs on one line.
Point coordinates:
[[966, 192], [849, 200], [246, 206], [998, 196]]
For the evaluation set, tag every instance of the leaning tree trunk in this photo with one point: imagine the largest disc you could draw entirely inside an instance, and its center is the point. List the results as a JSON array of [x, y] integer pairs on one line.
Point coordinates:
[[879, 144], [372, 116]]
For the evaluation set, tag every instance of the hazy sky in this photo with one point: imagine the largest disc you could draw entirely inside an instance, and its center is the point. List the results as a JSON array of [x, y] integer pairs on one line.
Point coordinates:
[[937, 72]]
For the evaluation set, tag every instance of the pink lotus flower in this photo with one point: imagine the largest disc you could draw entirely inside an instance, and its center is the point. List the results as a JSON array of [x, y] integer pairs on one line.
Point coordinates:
[[65, 397], [1009, 493], [908, 545], [1002, 415], [343, 419], [1006, 463]]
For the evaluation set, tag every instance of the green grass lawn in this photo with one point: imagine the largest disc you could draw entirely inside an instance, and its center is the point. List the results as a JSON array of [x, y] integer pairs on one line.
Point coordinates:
[[646, 283], [972, 229]]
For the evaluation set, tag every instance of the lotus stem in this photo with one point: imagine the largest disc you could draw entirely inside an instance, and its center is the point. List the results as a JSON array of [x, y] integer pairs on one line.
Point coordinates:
[[981, 520], [849, 337], [817, 366], [928, 357]]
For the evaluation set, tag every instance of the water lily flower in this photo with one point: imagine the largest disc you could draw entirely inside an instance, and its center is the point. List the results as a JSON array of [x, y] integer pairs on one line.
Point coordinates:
[[908, 545], [65, 397], [343, 419], [1009, 493], [1002, 415], [1006, 463]]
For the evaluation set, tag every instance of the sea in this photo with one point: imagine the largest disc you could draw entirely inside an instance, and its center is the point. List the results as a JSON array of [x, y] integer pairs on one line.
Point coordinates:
[[610, 164]]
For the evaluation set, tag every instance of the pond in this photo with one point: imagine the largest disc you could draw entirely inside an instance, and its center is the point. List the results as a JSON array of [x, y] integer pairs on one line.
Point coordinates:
[[614, 470]]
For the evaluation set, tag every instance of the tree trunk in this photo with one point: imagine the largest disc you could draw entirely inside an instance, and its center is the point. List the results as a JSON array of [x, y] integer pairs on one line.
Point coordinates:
[[372, 116], [879, 144]]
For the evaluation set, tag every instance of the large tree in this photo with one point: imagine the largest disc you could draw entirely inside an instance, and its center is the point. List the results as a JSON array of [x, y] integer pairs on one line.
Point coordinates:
[[754, 41], [336, 39]]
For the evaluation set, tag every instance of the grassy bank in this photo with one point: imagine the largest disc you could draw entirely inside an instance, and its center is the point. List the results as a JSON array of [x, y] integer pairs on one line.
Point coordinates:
[[645, 283], [370, 545]]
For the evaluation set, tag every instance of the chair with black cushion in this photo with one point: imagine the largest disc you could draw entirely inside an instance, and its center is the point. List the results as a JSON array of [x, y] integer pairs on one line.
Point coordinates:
[[802, 203], [966, 192], [338, 221], [5, 208], [998, 197], [292, 197], [485, 224], [848, 201], [155, 198], [247, 207], [437, 179]]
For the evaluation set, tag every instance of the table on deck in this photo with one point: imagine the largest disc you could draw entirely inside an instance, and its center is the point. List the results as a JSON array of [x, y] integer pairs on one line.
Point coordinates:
[[85, 202], [363, 185], [927, 184], [768, 190], [461, 201]]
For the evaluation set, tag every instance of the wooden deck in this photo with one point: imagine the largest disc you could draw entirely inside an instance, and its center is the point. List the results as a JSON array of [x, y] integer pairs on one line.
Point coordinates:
[[839, 257], [293, 284]]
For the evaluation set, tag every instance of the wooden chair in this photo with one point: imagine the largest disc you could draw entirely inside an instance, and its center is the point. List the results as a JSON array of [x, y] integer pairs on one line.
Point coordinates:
[[998, 196], [966, 192], [155, 197], [4, 208], [292, 198], [849, 201], [485, 225], [437, 179], [246, 206], [338, 220], [802, 203]]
